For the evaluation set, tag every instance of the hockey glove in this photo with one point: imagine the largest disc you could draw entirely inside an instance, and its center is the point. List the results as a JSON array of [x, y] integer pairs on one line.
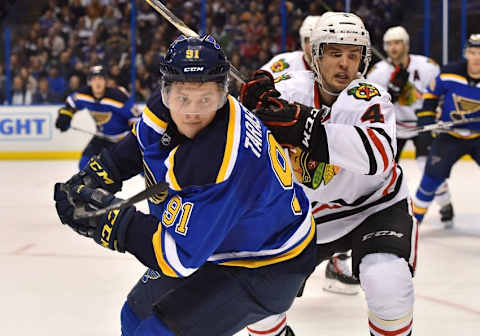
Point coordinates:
[[257, 89], [398, 80], [296, 125], [100, 172], [425, 117], [108, 230], [64, 118]]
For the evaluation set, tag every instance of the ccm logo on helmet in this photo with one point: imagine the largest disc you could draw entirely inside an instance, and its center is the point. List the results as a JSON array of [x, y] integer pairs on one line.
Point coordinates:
[[382, 233], [193, 69]]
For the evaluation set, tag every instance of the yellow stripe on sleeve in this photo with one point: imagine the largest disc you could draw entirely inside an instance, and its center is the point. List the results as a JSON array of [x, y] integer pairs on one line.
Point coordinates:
[[157, 247], [171, 174], [426, 114], [428, 95], [150, 115], [229, 144]]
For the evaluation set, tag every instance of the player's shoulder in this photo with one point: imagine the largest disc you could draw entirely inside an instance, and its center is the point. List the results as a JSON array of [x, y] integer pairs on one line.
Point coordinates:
[[293, 78], [155, 112], [211, 156], [116, 94], [423, 62], [283, 62], [380, 66], [84, 92], [363, 90]]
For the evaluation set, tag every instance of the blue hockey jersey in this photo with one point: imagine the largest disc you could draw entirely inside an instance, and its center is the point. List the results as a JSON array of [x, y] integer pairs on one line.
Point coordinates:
[[114, 113], [461, 95], [232, 197]]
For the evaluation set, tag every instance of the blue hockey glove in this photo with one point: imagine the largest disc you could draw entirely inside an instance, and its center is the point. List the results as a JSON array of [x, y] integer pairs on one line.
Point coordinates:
[[100, 172], [425, 117], [108, 230]]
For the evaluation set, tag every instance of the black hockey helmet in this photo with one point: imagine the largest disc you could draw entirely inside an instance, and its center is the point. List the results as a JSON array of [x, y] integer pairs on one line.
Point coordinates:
[[195, 59], [473, 41], [97, 70]]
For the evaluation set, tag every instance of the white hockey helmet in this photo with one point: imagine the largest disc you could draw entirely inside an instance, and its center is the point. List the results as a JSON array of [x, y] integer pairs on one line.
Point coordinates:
[[305, 30], [397, 33], [340, 28]]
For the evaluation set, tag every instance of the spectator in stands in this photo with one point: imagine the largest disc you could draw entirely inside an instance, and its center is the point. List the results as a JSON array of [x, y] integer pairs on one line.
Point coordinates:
[[44, 95], [19, 94], [57, 84]]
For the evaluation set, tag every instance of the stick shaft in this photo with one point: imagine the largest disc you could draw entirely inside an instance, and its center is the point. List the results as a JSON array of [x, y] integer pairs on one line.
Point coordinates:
[[184, 29]]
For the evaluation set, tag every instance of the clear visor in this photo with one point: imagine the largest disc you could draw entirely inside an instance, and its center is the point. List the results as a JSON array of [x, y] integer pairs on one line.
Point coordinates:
[[194, 98]]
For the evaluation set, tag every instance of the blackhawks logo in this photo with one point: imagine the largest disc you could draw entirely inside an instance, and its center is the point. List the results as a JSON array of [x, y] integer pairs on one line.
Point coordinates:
[[282, 77], [279, 65], [309, 172], [364, 91]]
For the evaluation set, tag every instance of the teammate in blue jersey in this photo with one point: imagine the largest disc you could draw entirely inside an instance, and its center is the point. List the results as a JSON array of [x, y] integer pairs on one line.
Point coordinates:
[[459, 85], [113, 111], [232, 242]]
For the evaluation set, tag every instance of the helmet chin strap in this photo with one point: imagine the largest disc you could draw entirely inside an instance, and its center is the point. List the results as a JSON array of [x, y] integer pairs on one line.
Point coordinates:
[[319, 80]]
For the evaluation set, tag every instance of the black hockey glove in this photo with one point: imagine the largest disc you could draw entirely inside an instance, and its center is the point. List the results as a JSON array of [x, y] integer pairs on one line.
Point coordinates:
[[64, 118], [257, 89], [108, 230], [100, 172], [425, 117], [398, 80], [296, 125]]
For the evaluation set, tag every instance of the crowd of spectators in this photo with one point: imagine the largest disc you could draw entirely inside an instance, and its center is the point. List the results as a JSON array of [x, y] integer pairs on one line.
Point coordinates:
[[50, 59]]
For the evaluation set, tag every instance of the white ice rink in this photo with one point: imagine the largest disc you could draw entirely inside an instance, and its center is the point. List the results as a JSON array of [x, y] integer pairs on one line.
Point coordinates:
[[54, 282]]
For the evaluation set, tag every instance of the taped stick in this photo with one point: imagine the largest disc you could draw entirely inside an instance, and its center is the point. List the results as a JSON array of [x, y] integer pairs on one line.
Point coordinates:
[[444, 125], [185, 30]]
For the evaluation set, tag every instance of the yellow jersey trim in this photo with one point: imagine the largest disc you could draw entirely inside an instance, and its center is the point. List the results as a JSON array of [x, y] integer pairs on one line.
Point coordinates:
[[157, 248], [282, 257], [465, 137], [426, 113], [112, 102], [83, 96], [156, 120], [171, 174], [452, 76], [227, 155], [428, 95]]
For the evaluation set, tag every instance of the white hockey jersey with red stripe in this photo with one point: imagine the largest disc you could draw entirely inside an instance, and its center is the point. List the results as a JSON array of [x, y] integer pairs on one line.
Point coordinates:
[[361, 177], [286, 62], [422, 70]]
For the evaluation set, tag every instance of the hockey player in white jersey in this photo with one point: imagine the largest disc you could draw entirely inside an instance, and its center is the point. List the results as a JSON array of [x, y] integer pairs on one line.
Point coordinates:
[[294, 60], [406, 76], [341, 137]]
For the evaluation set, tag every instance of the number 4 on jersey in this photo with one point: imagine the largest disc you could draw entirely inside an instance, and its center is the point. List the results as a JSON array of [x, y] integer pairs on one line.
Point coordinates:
[[373, 114]]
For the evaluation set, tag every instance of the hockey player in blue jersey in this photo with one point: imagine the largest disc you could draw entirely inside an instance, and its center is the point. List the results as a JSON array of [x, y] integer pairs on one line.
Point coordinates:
[[459, 85], [112, 110], [232, 242]]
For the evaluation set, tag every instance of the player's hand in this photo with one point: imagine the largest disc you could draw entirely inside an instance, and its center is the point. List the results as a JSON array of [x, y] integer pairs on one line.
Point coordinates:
[[425, 117], [64, 119], [257, 89], [292, 124], [398, 80], [100, 172], [108, 230]]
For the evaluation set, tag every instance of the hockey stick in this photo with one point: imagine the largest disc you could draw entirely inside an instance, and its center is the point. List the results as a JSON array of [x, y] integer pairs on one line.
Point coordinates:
[[98, 135], [184, 29], [444, 125], [155, 189]]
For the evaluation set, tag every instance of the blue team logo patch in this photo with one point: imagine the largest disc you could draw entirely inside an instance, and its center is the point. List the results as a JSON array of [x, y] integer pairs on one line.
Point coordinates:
[[150, 274]]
